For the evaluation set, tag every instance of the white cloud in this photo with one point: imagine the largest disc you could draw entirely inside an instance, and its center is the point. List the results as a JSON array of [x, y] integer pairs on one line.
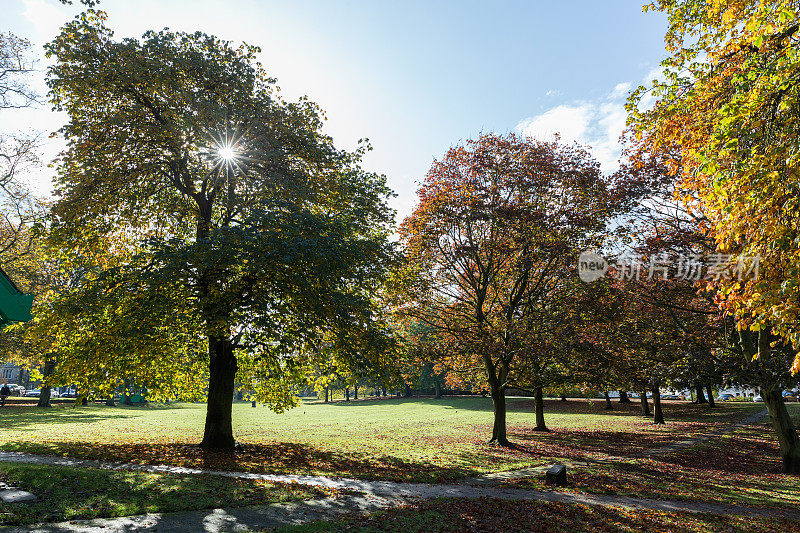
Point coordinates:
[[596, 125], [570, 122], [46, 17], [620, 90]]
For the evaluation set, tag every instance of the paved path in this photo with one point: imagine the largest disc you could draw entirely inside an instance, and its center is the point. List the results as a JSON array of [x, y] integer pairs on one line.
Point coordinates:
[[385, 494], [372, 495]]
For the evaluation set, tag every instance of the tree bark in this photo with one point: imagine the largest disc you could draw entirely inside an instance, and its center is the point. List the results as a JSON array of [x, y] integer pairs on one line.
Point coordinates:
[[623, 397], [347, 394], [408, 392], [326, 395], [658, 414], [437, 390], [773, 399], [110, 401], [645, 406], [218, 433], [710, 397], [355, 392], [784, 428], [608, 401], [539, 401], [126, 392], [563, 398], [383, 390], [44, 396], [700, 397], [499, 435]]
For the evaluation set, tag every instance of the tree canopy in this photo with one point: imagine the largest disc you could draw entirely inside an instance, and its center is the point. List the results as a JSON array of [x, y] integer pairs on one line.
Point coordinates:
[[220, 210]]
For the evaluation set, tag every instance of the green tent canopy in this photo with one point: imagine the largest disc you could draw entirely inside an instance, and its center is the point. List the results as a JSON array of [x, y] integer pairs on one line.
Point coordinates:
[[14, 306]]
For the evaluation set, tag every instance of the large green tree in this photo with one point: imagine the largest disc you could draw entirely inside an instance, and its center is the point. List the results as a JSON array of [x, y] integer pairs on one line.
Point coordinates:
[[230, 208]]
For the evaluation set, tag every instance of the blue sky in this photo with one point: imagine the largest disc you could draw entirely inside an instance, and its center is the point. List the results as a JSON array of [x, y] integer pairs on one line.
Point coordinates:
[[413, 77]]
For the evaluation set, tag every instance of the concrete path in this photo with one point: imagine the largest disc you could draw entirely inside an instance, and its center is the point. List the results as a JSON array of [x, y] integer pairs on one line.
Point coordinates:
[[217, 520], [386, 495]]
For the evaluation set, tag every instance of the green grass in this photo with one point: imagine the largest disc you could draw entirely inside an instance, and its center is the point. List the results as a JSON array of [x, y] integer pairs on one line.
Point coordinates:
[[408, 439], [67, 493], [458, 515], [400, 439]]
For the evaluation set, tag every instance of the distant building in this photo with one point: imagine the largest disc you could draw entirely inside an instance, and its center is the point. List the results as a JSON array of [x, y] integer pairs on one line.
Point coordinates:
[[745, 392], [11, 373]]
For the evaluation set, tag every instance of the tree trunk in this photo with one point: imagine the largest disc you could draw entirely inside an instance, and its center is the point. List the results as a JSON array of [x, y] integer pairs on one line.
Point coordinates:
[[645, 407], [539, 401], [499, 435], [408, 392], [700, 397], [785, 430], [347, 394], [85, 401], [126, 392], [44, 396], [658, 414], [218, 433], [710, 397], [437, 390], [623, 397], [355, 392], [563, 398], [383, 390], [608, 401], [110, 401]]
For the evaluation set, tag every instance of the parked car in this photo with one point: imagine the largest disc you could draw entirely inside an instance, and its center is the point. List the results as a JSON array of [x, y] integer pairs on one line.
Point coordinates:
[[724, 397], [790, 396], [16, 390], [758, 398], [35, 393], [70, 393], [670, 397]]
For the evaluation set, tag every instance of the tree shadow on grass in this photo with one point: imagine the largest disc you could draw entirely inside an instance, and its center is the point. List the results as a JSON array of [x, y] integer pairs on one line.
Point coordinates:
[[582, 443], [276, 458], [66, 493], [751, 450], [466, 403], [18, 417], [499, 515]]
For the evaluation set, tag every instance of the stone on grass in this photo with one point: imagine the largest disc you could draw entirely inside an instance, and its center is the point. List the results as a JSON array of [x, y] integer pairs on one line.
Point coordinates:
[[16, 496], [556, 475]]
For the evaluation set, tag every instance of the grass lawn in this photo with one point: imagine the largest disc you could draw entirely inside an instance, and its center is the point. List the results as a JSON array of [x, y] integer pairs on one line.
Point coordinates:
[[409, 439], [454, 515], [70, 493]]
